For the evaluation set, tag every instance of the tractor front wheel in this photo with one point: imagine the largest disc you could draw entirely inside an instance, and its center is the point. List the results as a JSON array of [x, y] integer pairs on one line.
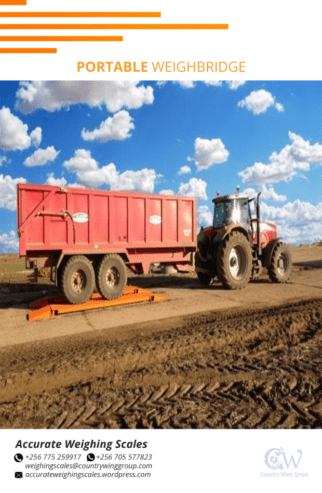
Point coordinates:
[[280, 267], [234, 261]]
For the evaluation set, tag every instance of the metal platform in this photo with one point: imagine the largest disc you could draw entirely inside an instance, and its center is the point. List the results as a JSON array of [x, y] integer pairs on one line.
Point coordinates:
[[49, 307]]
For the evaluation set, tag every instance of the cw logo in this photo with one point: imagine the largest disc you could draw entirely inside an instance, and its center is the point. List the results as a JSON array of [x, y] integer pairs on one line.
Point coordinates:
[[275, 458]]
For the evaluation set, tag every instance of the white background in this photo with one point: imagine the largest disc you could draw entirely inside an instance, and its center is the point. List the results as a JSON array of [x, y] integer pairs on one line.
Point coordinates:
[[279, 40], [183, 460]]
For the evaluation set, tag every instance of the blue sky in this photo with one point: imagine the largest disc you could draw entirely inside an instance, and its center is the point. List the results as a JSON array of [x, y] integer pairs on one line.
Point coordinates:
[[182, 137]]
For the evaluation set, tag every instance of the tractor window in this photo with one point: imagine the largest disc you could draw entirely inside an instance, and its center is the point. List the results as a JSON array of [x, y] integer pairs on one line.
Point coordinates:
[[244, 213], [219, 215], [231, 211]]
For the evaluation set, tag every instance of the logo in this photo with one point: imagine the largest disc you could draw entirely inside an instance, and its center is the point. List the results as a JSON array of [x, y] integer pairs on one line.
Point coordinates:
[[156, 219], [18, 458], [90, 457], [282, 464], [18, 475], [80, 217], [187, 232], [275, 458]]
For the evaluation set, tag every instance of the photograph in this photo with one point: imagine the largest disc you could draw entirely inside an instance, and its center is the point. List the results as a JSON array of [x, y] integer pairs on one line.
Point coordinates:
[[161, 255]]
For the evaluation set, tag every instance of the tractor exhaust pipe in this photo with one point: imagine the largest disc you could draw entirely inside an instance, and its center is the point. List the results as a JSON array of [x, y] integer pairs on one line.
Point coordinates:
[[259, 247]]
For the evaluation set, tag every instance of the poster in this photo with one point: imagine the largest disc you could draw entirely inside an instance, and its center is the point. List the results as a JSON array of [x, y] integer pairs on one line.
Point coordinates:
[[142, 150]]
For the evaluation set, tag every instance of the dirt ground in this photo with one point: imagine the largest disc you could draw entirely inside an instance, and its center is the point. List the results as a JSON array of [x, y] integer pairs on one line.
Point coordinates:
[[205, 358]]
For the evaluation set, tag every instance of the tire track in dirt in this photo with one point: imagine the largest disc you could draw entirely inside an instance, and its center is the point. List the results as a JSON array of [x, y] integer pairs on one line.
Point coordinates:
[[254, 369]]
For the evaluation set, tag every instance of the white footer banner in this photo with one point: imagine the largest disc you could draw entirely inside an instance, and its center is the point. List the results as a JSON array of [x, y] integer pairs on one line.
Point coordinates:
[[151, 460]]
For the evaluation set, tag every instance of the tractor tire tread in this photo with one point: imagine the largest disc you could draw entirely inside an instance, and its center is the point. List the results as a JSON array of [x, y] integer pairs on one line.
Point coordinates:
[[222, 261], [272, 271]]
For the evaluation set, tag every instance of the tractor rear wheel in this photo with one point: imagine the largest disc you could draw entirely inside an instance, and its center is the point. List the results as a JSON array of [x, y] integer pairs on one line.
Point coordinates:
[[234, 261], [111, 277], [280, 267], [204, 277], [77, 279]]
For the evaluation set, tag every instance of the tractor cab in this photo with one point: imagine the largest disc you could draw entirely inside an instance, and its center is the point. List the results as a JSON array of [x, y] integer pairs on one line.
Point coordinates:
[[232, 209]]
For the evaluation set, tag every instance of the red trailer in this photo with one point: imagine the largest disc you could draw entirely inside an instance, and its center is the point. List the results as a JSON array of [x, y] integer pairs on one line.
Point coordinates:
[[91, 235]]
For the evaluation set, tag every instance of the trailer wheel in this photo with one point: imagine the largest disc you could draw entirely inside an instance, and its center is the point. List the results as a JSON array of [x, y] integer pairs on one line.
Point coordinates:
[[234, 261], [77, 279], [111, 277], [280, 267]]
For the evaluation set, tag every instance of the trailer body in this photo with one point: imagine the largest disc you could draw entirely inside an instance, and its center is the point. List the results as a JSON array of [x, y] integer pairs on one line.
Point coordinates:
[[57, 222]]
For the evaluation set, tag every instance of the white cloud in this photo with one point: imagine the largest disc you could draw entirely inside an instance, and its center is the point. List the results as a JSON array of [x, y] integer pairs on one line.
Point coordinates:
[[9, 242], [232, 84], [194, 188], [297, 221], [81, 161], [166, 192], [142, 180], [184, 170], [8, 192], [14, 133], [89, 174], [298, 213], [251, 192], [215, 83], [41, 157], [268, 193], [279, 107], [36, 136], [259, 101], [204, 216], [284, 165], [55, 95], [209, 152], [186, 84], [117, 127], [60, 182], [75, 185], [55, 182], [190, 84], [3, 159], [235, 84]]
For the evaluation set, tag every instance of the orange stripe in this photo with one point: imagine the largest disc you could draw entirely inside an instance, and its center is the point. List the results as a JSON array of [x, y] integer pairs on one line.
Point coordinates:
[[28, 50], [13, 2], [80, 14], [113, 26], [61, 38]]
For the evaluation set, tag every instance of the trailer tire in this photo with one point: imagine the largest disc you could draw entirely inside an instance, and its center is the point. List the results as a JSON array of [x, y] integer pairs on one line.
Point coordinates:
[[77, 279], [234, 261], [280, 267], [111, 277]]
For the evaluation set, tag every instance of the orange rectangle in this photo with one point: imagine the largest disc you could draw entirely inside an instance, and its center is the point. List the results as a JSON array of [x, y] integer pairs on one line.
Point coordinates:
[[13, 2], [61, 38], [114, 26], [46, 308], [28, 50], [80, 14]]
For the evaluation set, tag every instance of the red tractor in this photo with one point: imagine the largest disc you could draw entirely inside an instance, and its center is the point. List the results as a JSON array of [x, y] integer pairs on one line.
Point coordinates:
[[229, 250]]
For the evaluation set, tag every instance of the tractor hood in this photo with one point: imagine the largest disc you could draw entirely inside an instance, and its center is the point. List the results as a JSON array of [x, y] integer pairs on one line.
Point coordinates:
[[268, 232]]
